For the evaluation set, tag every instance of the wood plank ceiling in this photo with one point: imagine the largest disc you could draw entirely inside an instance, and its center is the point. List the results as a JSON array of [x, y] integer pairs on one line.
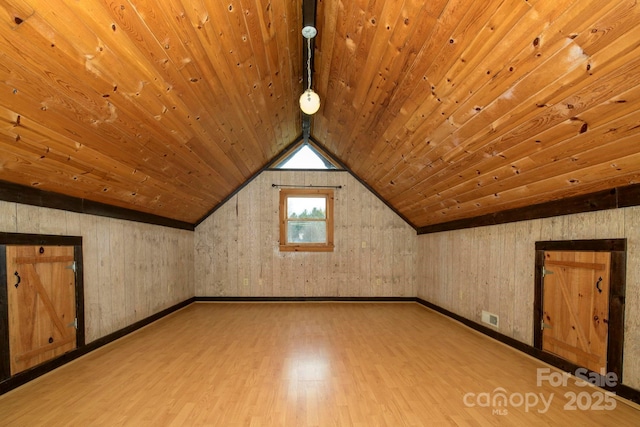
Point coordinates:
[[448, 109]]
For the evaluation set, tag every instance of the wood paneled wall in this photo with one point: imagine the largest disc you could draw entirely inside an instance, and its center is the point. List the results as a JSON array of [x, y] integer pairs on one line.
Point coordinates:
[[237, 251], [492, 268], [131, 270]]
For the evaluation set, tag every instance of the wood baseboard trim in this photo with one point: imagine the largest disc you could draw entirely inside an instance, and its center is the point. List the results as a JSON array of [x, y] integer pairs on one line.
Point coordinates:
[[37, 371], [620, 390], [304, 299]]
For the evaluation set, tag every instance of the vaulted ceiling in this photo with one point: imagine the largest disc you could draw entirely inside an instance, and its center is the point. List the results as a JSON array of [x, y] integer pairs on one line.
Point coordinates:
[[448, 109]]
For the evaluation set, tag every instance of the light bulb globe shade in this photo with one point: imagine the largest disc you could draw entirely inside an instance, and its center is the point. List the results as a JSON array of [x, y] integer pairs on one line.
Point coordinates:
[[309, 102]]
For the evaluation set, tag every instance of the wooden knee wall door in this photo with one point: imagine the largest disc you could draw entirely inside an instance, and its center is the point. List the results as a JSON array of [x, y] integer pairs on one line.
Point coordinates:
[[576, 307], [41, 304], [579, 303]]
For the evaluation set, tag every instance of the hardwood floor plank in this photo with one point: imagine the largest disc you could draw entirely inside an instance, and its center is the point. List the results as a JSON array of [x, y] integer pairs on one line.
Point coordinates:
[[302, 364]]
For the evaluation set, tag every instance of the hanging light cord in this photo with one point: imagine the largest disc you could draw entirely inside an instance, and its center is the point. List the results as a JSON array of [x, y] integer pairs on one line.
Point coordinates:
[[308, 64]]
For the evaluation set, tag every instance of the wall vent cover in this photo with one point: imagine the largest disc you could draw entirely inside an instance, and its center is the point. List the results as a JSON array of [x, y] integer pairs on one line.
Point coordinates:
[[489, 318]]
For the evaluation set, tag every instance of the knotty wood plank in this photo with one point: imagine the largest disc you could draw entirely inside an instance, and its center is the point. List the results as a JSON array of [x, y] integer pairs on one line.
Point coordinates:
[[261, 25], [239, 60], [606, 144], [587, 184], [467, 110], [326, 22], [343, 53], [383, 24], [571, 168], [120, 147], [36, 139], [397, 75], [239, 57], [291, 15], [15, 12], [446, 161], [528, 56], [437, 48], [183, 64], [124, 104], [191, 64], [603, 91]]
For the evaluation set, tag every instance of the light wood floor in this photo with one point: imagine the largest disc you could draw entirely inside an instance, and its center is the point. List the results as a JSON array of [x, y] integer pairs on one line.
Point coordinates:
[[300, 364]]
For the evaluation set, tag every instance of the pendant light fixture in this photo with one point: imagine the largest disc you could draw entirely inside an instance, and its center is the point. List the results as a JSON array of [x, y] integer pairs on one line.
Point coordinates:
[[309, 100]]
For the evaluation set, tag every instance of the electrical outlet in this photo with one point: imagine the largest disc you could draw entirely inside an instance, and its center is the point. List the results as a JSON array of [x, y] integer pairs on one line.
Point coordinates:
[[364, 244], [245, 281]]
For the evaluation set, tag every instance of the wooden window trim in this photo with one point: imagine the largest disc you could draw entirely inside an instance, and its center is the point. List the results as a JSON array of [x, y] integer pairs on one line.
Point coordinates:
[[306, 247]]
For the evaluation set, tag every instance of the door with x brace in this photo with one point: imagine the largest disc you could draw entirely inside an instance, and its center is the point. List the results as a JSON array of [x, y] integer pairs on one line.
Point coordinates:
[[575, 318], [41, 289]]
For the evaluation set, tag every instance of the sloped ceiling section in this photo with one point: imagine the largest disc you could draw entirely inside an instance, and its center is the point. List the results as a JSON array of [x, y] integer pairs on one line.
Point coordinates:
[[160, 106], [447, 109]]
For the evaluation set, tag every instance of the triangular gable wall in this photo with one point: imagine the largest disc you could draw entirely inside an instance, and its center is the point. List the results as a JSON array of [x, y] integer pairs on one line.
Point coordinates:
[[237, 248], [290, 151]]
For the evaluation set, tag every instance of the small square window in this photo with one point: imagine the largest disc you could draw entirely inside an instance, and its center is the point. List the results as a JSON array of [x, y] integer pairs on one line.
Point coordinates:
[[306, 220]]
